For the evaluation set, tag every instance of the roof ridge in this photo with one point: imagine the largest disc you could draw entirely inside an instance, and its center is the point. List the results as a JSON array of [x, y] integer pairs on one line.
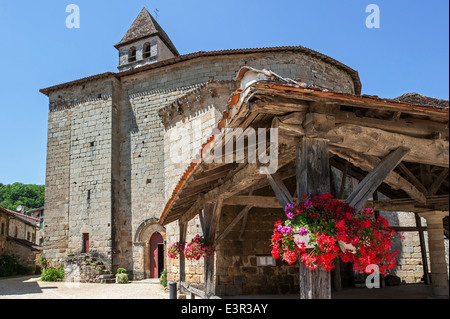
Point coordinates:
[[199, 54]]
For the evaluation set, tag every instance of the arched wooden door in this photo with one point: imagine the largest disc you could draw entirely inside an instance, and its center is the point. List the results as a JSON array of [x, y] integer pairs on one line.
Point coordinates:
[[156, 255]]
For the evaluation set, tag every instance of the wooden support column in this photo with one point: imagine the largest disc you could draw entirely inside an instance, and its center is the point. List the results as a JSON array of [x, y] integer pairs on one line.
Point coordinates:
[[423, 251], [211, 216], [439, 277], [313, 179], [183, 230]]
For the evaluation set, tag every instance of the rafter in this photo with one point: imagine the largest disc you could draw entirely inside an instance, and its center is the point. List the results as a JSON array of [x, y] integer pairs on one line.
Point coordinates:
[[375, 178], [368, 164]]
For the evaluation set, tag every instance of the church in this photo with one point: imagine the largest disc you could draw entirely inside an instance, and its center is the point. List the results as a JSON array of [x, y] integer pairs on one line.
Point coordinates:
[[123, 182]]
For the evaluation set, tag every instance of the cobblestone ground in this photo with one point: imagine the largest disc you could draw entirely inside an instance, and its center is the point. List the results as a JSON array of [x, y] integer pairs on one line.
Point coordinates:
[[31, 288]]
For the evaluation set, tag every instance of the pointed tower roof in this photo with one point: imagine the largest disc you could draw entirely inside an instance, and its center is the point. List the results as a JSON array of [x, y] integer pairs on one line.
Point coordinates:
[[145, 26]]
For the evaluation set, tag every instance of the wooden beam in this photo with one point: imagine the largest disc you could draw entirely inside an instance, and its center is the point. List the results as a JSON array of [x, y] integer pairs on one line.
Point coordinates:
[[411, 126], [192, 290], [373, 180], [312, 167], [247, 177], [254, 201], [313, 179], [244, 225], [193, 211], [368, 164], [183, 232], [215, 220], [438, 182], [344, 179], [379, 143], [423, 249], [280, 190], [412, 178], [212, 212], [409, 229], [439, 202], [232, 224], [208, 215]]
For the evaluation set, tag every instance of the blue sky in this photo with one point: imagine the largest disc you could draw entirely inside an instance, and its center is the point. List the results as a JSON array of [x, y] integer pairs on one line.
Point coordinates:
[[408, 53]]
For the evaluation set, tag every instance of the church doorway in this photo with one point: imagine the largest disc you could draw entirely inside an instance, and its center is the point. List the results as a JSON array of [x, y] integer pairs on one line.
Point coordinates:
[[156, 255]]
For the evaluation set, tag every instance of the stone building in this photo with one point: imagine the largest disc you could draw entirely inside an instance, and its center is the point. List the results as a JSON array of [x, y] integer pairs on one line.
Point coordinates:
[[5, 216], [121, 144], [108, 170], [18, 236]]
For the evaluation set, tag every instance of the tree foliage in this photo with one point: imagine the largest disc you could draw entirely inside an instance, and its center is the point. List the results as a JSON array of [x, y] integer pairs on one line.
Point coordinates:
[[32, 196]]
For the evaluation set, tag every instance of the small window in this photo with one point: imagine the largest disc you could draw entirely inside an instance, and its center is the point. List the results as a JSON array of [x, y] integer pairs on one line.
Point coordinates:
[[132, 54], [3, 229], [265, 261], [146, 53]]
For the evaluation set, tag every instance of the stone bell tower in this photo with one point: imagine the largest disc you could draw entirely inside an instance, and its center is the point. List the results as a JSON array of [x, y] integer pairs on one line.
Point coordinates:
[[144, 43]]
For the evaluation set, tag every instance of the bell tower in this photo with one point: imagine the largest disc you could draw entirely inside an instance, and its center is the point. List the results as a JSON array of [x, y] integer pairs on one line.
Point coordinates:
[[144, 43]]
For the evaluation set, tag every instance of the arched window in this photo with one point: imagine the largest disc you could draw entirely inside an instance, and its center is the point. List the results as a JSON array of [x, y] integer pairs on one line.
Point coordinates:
[[146, 52], [132, 54]]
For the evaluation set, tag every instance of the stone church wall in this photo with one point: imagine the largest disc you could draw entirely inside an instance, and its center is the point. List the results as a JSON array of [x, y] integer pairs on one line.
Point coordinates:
[[78, 182]]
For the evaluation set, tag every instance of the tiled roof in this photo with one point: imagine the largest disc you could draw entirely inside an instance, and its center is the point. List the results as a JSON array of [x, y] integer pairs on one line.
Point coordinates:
[[26, 219], [419, 99], [26, 243], [6, 211], [144, 26]]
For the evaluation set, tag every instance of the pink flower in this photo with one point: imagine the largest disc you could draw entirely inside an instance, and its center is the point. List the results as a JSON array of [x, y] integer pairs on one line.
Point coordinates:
[[303, 231], [308, 204]]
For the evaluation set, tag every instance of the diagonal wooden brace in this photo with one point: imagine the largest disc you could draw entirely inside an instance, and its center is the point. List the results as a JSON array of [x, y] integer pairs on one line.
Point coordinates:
[[373, 180], [280, 190]]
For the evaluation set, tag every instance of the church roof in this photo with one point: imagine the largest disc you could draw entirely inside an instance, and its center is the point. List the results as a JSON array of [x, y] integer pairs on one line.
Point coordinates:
[[144, 26], [202, 54]]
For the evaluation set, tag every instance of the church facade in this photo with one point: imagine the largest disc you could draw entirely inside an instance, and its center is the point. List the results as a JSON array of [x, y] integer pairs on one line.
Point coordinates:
[[112, 139]]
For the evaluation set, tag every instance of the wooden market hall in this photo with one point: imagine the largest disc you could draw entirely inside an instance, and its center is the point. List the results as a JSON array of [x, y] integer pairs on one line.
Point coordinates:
[[393, 148]]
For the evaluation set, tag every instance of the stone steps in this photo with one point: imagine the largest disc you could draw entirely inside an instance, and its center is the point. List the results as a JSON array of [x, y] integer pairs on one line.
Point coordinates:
[[89, 269]]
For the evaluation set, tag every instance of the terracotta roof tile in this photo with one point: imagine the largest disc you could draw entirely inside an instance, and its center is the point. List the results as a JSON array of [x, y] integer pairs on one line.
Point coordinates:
[[419, 99]]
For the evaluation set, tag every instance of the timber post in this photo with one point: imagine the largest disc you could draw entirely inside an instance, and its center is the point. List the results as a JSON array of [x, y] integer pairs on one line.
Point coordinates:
[[313, 179]]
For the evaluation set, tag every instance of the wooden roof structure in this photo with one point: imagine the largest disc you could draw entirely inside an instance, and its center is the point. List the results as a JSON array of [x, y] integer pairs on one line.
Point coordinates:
[[361, 129], [392, 147]]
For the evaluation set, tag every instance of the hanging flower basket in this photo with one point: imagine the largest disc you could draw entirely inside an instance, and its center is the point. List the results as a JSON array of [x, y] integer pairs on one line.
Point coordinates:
[[175, 250], [198, 248], [346, 247], [303, 239], [320, 229]]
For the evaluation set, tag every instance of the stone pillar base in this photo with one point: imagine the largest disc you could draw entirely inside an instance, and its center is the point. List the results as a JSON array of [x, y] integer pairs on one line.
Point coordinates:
[[439, 276]]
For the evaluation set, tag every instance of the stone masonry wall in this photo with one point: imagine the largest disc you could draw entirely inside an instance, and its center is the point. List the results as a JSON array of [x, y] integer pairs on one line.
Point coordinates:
[[90, 177], [409, 260], [78, 181], [57, 184]]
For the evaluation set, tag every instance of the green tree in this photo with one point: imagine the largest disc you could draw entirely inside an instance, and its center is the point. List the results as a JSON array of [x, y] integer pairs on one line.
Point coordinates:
[[30, 195]]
